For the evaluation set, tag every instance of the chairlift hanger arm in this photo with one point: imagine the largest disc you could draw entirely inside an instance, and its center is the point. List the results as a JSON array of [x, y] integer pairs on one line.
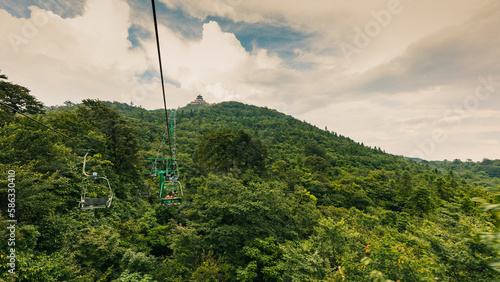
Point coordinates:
[[84, 163]]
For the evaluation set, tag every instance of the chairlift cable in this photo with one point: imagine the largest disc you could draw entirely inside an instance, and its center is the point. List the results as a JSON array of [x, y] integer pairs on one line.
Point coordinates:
[[173, 186], [161, 147], [41, 123], [161, 74]]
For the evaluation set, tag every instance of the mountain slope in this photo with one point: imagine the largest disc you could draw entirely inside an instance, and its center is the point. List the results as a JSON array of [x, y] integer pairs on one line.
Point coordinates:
[[279, 199]]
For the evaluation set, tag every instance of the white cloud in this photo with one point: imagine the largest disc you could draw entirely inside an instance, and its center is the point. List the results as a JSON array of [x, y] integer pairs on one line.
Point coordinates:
[[75, 58], [216, 65], [89, 56]]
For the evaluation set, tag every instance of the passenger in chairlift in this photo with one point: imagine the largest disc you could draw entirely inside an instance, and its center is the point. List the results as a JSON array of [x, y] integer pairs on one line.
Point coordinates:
[[169, 194]]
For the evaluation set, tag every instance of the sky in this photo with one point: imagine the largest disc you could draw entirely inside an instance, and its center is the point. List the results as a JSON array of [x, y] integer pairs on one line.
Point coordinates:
[[417, 78]]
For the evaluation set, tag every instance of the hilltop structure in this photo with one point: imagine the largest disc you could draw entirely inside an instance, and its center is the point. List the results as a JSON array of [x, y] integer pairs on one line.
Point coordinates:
[[199, 101], [197, 104]]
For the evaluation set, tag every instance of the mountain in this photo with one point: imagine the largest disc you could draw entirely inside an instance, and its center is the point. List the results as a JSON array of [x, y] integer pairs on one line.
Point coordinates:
[[266, 198]]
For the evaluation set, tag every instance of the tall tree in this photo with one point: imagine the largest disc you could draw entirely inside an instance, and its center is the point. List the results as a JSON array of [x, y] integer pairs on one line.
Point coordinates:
[[121, 144], [223, 151], [17, 97]]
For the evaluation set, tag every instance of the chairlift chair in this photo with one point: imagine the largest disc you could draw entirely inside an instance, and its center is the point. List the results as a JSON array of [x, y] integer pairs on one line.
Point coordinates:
[[171, 193], [170, 188], [93, 186], [145, 191]]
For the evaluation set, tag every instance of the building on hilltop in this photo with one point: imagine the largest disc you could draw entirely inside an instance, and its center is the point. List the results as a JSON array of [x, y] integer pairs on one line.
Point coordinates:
[[199, 101]]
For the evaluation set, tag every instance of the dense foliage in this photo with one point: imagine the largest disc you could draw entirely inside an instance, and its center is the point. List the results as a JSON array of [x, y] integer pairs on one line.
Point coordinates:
[[267, 198], [16, 97]]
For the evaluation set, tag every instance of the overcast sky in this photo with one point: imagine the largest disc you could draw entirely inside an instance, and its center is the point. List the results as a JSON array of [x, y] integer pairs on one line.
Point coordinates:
[[417, 78]]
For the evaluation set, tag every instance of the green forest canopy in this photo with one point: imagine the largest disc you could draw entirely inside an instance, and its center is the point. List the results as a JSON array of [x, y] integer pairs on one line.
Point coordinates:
[[267, 198]]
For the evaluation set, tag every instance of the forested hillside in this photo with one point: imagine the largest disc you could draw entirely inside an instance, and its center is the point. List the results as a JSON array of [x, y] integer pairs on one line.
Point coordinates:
[[266, 198]]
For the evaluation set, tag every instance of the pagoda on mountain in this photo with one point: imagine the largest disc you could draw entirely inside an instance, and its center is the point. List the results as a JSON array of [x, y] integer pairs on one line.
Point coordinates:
[[199, 101]]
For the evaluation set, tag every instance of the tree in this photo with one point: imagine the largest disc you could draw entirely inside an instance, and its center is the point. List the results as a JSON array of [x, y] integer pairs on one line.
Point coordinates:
[[317, 164], [492, 238], [17, 97], [405, 186], [422, 202], [223, 151], [214, 150], [121, 143]]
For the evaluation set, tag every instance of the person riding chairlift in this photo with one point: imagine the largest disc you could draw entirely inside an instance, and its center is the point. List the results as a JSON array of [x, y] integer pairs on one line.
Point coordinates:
[[169, 195]]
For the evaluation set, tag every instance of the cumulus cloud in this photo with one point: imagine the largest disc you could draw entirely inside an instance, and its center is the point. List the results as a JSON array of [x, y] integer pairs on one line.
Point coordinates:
[[90, 56], [215, 65], [59, 59]]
